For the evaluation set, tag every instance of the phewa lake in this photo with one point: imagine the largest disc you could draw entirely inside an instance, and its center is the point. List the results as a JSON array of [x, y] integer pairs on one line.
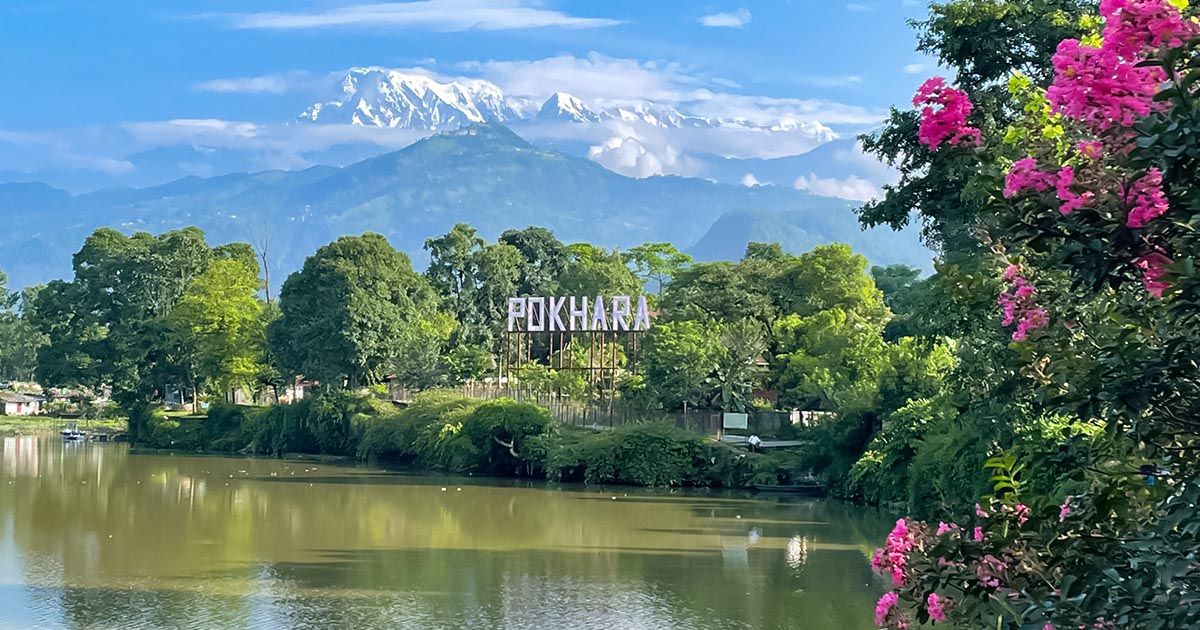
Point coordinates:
[[96, 536]]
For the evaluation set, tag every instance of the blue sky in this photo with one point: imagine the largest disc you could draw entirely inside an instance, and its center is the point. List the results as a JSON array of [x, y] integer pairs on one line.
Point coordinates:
[[75, 69]]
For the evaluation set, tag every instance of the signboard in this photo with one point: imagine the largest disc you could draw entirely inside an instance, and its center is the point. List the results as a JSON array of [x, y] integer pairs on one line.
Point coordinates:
[[578, 314], [732, 420]]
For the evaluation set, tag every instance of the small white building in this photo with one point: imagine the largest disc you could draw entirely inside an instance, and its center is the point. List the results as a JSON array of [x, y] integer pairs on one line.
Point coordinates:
[[19, 404]]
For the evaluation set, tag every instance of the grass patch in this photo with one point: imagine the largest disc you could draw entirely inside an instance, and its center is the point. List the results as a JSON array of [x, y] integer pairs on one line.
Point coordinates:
[[25, 425]]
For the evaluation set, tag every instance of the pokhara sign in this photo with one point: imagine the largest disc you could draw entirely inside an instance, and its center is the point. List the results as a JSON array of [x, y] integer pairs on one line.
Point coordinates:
[[578, 314]]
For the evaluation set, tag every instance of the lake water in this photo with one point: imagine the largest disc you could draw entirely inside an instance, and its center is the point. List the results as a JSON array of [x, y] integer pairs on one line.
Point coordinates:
[[94, 536]]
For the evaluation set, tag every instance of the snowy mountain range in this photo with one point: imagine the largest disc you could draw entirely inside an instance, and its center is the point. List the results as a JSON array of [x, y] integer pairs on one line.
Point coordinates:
[[382, 97]]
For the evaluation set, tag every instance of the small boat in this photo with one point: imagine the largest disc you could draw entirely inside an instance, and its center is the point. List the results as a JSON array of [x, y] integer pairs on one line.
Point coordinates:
[[71, 433]]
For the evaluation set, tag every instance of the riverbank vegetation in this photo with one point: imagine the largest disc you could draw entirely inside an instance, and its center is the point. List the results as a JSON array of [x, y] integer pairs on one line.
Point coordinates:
[[167, 320], [444, 431]]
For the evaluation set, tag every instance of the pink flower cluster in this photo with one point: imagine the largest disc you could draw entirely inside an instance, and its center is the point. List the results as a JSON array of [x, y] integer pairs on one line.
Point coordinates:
[[893, 558], [1018, 305], [1064, 510], [1153, 270], [1104, 86], [1096, 87], [937, 607], [1024, 175], [1090, 149], [1134, 26], [990, 570], [883, 608], [1147, 199], [1071, 200], [944, 112]]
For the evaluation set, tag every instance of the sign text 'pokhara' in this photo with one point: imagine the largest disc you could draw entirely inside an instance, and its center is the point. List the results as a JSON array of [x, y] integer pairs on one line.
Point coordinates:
[[577, 314]]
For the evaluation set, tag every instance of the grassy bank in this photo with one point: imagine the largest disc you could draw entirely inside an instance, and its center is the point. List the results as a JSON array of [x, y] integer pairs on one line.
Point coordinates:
[[25, 425], [444, 431]]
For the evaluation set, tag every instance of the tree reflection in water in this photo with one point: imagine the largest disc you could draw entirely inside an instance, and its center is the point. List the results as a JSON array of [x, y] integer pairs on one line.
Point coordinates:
[[96, 536]]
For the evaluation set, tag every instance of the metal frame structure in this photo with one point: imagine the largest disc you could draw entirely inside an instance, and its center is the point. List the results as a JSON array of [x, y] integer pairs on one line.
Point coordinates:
[[521, 347]]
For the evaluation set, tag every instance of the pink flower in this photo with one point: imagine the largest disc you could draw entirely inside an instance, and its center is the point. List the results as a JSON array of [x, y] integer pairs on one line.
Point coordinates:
[[1147, 198], [943, 528], [1072, 201], [1064, 510], [1100, 89], [1048, 626], [1022, 512], [883, 608], [936, 606], [893, 558], [1031, 320], [989, 570], [1024, 175], [979, 511], [944, 112], [1153, 270], [1135, 27], [1090, 149], [978, 534]]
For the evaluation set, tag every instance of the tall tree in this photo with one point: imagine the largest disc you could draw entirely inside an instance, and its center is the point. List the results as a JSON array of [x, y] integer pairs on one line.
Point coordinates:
[[19, 340], [657, 262], [596, 271], [544, 258], [107, 325], [218, 326], [344, 315]]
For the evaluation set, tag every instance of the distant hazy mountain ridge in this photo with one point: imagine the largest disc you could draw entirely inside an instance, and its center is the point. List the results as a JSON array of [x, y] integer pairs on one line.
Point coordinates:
[[485, 175]]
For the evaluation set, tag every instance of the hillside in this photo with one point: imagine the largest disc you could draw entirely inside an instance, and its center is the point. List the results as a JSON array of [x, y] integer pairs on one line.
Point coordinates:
[[800, 231], [485, 175]]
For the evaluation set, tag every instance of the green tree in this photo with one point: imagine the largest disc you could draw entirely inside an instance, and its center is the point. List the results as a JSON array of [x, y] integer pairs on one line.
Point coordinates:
[[965, 36], [218, 326], [657, 262], [679, 360], [19, 340], [831, 360], [107, 325], [830, 276], [739, 370], [346, 312], [543, 259], [594, 271], [475, 280]]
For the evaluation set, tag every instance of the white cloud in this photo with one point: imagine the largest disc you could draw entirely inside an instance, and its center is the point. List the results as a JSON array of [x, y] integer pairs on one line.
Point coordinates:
[[727, 20], [435, 15], [852, 187], [628, 153], [750, 181], [859, 7], [74, 149], [594, 77], [273, 145], [277, 83], [915, 68]]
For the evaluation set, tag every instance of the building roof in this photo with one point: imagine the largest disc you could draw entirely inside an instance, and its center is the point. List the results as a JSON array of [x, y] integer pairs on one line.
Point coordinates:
[[12, 397]]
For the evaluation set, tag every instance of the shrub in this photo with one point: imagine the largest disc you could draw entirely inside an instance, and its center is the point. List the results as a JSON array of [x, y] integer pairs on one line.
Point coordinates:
[[644, 454]]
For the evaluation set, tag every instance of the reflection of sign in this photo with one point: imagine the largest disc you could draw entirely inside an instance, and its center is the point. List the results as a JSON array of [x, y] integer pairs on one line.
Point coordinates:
[[570, 314], [735, 420]]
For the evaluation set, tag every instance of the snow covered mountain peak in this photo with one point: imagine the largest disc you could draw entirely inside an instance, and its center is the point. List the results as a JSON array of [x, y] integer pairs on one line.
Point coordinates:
[[381, 97], [564, 106], [373, 96]]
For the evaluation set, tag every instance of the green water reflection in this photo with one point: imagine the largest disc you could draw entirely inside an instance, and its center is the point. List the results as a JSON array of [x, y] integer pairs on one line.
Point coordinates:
[[93, 536]]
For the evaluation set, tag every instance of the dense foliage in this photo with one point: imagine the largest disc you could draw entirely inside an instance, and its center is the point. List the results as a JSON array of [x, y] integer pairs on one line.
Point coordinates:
[[1085, 207]]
